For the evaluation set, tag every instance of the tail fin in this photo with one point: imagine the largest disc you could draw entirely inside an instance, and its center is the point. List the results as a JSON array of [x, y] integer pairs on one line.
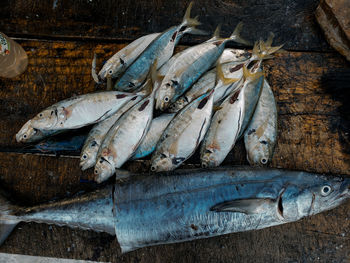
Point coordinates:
[[263, 50], [247, 74], [187, 20], [7, 220], [235, 36], [220, 76]]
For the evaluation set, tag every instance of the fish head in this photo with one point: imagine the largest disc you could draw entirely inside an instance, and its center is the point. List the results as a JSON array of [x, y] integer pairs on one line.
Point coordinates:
[[162, 162], [111, 69], [210, 158], [312, 195], [128, 85], [46, 119], [26, 133], [260, 155], [88, 155], [165, 94], [178, 105], [103, 169]]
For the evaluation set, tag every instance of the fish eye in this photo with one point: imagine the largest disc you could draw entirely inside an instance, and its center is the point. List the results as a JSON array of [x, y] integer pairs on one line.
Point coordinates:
[[40, 115], [326, 190], [110, 72], [96, 172], [24, 136], [166, 99], [204, 165], [101, 161], [153, 168], [263, 160], [84, 156]]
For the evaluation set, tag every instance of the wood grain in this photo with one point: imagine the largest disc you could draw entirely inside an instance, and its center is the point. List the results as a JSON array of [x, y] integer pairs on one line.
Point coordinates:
[[291, 20]]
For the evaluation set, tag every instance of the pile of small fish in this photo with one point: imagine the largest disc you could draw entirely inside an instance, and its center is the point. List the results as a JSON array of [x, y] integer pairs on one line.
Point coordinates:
[[212, 96]]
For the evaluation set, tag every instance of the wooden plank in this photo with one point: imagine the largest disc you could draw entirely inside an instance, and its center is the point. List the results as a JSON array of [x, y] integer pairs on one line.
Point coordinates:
[[292, 21]]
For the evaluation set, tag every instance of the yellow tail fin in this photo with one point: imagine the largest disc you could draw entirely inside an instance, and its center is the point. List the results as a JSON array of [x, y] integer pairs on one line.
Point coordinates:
[[220, 76]]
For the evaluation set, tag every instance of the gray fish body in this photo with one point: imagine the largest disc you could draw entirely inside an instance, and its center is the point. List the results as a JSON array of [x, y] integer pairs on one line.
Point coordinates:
[[156, 129], [161, 48], [189, 204], [121, 60], [261, 134]]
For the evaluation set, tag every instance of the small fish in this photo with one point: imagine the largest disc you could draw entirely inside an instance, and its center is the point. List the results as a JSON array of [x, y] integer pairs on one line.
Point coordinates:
[[125, 136], [190, 66], [261, 135], [230, 119], [187, 205], [121, 60], [149, 143], [161, 48], [81, 111], [97, 134], [183, 134]]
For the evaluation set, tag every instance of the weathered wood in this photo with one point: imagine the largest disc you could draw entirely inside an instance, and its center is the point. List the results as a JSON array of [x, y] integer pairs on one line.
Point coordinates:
[[291, 20]]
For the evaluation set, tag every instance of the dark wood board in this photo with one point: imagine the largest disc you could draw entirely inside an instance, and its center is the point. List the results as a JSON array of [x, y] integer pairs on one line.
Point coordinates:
[[308, 140], [291, 20]]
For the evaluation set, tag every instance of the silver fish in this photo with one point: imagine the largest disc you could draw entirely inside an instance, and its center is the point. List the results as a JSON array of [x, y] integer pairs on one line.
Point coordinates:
[[156, 130], [190, 66], [85, 110], [188, 205], [124, 138], [227, 122], [223, 82], [121, 60], [161, 48], [30, 134], [261, 134], [97, 134], [183, 134]]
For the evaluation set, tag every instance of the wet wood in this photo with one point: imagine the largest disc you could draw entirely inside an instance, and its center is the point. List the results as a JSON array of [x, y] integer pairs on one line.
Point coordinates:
[[292, 21]]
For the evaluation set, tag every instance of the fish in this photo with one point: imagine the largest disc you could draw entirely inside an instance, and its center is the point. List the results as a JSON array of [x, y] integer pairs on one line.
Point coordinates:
[[125, 136], [149, 143], [97, 134], [121, 60], [28, 134], [261, 134], [230, 119], [183, 134], [187, 205], [81, 111], [161, 48], [223, 81], [190, 66]]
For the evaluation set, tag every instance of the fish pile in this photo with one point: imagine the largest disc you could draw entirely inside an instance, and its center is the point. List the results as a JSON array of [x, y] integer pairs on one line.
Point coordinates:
[[207, 97]]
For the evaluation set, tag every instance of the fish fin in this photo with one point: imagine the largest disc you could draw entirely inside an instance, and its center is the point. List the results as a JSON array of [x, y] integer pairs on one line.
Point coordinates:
[[151, 80], [93, 69], [220, 76], [7, 220], [217, 108], [235, 36], [263, 50], [247, 74], [196, 31], [245, 206], [216, 34], [187, 20]]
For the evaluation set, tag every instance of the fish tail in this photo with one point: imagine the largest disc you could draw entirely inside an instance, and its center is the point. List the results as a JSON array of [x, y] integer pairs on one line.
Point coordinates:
[[220, 76], [191, 23], [263, 50], [247, 74], [93, 70], [235, 36], [7, 219]]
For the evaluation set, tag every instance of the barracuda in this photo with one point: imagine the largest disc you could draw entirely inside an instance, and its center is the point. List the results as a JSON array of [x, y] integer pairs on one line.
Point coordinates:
[[204, 203]]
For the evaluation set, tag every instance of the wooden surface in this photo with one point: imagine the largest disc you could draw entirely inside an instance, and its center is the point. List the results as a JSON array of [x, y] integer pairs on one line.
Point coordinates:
[[59, 67]]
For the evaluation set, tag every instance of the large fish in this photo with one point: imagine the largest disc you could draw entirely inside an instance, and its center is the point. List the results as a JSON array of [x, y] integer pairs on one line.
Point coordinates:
[[79, 111], [161, 48], [190, 66], [261, 134], [183, 134], [227, 122], [188, 205], [97, 134]]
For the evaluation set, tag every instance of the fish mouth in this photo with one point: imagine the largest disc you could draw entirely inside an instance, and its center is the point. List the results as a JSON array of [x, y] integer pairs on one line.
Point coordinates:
[[84, 165]]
